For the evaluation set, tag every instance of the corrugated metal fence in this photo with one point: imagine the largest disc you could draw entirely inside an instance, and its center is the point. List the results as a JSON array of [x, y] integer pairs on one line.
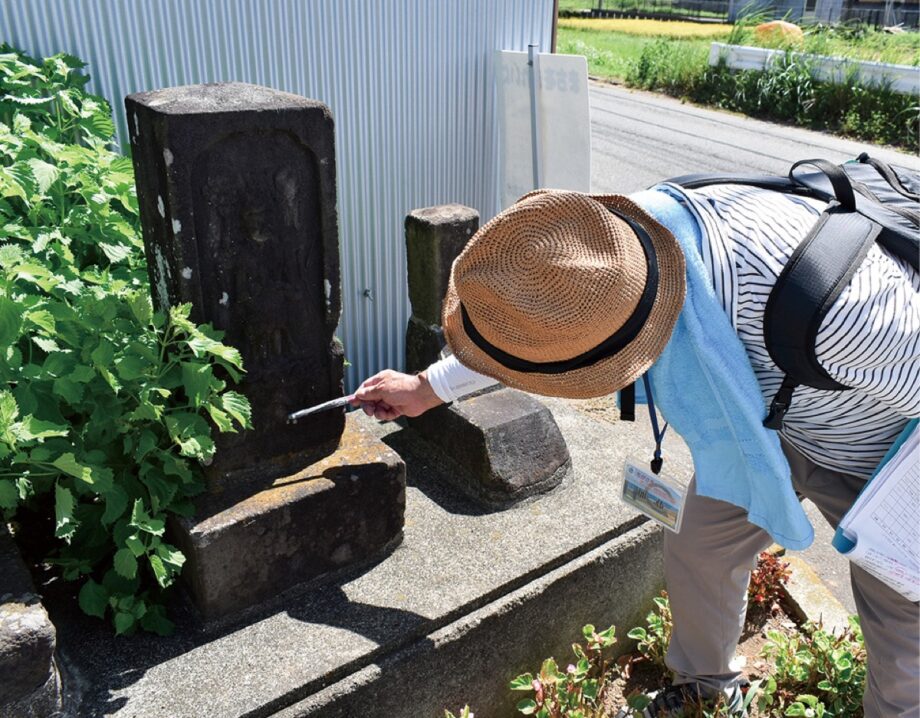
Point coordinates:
[[410, 83]]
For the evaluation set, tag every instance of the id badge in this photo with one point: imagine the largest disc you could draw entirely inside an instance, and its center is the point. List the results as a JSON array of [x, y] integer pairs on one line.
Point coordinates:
[[656, 496]]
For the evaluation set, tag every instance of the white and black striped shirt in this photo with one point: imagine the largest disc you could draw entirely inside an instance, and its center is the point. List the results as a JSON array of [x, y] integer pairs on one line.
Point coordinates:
[[869, 340]]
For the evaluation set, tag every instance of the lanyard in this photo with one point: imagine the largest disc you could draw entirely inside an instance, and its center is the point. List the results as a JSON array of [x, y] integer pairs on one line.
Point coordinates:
[[657, 461]]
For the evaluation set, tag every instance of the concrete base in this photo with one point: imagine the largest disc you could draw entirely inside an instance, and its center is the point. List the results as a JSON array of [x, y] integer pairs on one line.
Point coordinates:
[[469, 599], [340, 510], [503, 446], [29, 682]]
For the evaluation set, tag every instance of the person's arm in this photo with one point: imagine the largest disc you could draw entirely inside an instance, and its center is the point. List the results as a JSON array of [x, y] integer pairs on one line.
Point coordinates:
[[391, 394]]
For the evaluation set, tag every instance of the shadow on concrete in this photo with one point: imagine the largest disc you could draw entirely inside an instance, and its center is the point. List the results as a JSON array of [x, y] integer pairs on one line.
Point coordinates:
[[427, 469], [96, 664]]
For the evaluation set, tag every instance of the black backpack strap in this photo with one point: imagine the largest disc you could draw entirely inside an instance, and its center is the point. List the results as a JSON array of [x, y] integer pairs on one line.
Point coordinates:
[[843, 190], [890, 176], [812, 280], [628, 402]]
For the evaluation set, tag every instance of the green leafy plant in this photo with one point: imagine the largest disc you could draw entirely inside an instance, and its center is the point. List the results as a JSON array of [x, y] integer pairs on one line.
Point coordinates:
[[815, 673], [786, 91], [654, 638], [576, 692], [767, 580], [465, 713], [106, 407]]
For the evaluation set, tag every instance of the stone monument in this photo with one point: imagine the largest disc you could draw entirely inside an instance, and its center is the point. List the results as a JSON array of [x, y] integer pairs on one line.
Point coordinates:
[[236, 187], [504, 445]]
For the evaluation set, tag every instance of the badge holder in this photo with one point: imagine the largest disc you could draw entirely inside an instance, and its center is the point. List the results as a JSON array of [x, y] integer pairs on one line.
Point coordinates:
[[657, 496]]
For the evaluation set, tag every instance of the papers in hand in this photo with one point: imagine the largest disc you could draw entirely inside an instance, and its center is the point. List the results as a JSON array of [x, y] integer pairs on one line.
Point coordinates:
[[881, 532]]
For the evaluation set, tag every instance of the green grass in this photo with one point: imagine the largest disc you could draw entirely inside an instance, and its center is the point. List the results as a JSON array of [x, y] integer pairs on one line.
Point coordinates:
[[611, 55], [852, 41]]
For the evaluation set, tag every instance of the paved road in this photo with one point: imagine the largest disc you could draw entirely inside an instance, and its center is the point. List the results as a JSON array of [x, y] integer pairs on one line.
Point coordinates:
[[639, 138]]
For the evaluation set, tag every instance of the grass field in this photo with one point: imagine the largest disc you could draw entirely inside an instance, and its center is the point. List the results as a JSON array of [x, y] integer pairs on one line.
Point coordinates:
[[612, 46]]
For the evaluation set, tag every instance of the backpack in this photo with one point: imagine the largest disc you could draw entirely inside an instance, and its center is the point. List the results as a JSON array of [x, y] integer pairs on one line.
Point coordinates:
[[869, 201]]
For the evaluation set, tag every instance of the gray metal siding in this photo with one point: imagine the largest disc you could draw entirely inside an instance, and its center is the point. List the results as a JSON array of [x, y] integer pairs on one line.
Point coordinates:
[[409, 82]]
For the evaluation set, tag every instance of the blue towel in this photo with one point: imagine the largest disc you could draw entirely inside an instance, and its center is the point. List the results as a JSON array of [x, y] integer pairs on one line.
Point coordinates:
[[705, 387]]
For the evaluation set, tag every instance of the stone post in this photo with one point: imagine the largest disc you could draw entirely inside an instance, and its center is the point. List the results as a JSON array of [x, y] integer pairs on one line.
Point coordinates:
[[504, 445], [236, 187], [434, 238]]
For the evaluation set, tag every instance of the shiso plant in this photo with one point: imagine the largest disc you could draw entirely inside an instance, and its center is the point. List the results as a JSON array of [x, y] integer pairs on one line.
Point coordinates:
[[106, 407]]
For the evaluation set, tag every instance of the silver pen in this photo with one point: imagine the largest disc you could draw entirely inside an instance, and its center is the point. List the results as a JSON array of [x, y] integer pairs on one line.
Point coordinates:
[[326, 405]]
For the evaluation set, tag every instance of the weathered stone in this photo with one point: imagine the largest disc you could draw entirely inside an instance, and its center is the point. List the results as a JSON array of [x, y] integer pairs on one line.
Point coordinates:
[[504, 444], [236, 187], [347, 507], [27, 640], [424, 343], [434, 238]]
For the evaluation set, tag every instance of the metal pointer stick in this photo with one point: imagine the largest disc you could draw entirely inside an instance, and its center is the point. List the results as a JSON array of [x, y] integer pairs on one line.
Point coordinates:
[[334, 404]]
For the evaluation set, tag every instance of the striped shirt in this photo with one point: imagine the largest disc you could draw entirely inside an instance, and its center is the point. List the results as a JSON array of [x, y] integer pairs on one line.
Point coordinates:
[[869, 340]]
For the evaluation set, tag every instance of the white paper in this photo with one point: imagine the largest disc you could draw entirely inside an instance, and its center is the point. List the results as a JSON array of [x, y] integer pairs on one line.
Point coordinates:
[[884, 523]]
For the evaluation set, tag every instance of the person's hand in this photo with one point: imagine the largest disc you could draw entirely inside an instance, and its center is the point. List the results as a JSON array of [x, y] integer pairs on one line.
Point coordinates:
[[391, 394]]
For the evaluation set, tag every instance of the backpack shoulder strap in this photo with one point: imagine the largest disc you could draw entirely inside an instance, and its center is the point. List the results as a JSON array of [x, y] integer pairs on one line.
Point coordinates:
[[812, 280]]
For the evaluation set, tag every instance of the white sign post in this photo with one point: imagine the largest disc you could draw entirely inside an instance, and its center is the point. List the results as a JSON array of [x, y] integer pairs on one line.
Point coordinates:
[[561, 116]]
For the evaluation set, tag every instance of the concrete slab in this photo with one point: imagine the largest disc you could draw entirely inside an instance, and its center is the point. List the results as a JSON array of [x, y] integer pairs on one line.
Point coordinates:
[[459, 567]]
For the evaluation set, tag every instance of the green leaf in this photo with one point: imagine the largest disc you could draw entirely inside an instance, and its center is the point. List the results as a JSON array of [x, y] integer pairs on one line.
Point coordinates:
[[10, 256], [9, 410], [9, 496], [65, 523], [116, 501], [523, 682], [30, 429], [196, 379], [527, 706], [159, 570], [171, 556], [68, 464], [45, 174], [141, 308], [115, 252], [238, 407], [130, 367], [46, 345], [10, 321], [221, 419], [43, 319], [136, 545], [142, 520], [93, 598], [125, 563], [124, 622]]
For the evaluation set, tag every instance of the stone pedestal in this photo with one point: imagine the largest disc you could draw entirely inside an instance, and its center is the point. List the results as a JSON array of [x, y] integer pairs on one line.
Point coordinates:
[[236, 188], [503, 444], [340, 510], [29, 682]]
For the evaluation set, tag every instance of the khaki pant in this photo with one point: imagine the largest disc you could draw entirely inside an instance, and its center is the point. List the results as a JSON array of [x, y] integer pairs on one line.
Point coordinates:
[[707, 568]]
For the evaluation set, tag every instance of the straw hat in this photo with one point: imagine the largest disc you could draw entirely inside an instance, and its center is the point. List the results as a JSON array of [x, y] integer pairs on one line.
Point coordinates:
[[565, 294]]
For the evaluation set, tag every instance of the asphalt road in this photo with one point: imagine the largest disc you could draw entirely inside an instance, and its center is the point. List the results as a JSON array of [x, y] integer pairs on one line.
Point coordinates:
[[640, 138]]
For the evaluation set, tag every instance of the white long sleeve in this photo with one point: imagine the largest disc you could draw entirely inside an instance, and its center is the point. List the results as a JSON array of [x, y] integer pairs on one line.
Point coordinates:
[[451, 381]]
